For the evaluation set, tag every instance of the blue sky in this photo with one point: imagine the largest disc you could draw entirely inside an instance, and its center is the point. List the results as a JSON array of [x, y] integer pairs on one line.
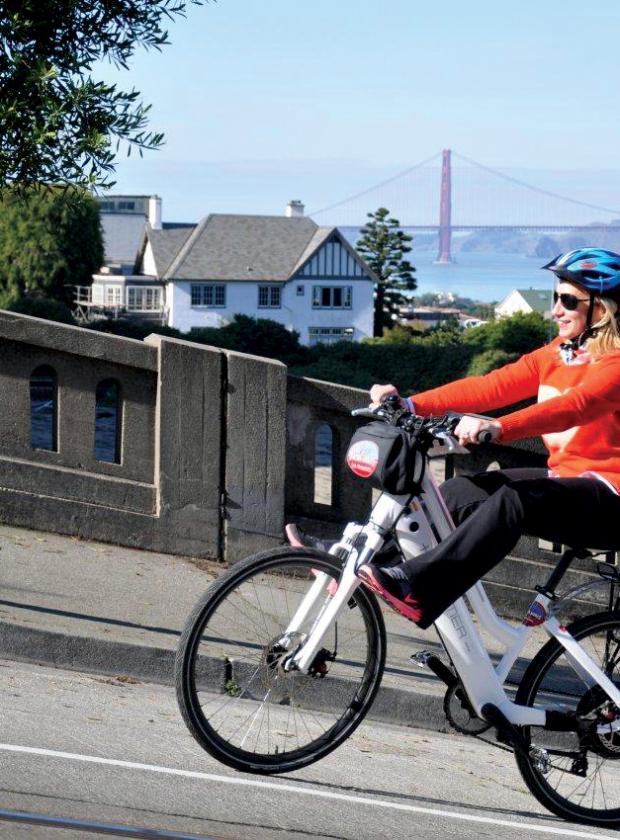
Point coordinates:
[[266, 101]]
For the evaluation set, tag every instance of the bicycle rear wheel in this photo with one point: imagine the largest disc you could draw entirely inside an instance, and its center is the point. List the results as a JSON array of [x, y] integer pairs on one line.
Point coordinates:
[[581, 786], [237, 701]]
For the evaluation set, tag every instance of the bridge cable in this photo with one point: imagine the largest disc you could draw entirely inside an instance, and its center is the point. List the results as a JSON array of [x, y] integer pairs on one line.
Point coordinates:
[[376, 186], [534, 188]]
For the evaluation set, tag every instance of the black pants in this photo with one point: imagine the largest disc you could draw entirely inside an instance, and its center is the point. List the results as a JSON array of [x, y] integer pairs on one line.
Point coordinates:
[[492, 510]]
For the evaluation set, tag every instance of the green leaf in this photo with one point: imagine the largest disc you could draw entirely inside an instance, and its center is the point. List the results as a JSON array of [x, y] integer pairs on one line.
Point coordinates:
[[56, 122]]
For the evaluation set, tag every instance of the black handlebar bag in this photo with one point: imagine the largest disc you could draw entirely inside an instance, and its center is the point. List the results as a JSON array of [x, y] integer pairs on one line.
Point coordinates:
[[385, 456]]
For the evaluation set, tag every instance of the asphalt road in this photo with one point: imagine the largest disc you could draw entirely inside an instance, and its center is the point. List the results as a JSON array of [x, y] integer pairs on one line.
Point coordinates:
[[104, 750]]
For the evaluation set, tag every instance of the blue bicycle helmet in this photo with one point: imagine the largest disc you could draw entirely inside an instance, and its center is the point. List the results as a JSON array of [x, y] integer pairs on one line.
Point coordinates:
[[595, 269]]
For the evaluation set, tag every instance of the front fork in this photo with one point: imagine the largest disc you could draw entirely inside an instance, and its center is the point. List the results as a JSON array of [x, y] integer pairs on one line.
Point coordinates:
[[357, 546]]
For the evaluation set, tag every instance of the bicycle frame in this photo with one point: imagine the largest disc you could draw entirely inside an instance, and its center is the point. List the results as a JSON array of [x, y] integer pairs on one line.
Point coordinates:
[[483, 682]]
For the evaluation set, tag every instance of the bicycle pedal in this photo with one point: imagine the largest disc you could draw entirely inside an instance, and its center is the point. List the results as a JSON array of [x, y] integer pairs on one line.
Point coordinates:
[[507, 732], [421, 658], [426, 659]]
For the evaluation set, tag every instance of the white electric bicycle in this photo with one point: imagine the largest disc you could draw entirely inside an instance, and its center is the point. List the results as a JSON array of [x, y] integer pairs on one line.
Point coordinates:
[[283, 656]]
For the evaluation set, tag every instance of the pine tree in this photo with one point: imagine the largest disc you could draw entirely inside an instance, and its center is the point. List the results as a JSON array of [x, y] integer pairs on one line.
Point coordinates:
[[382, 244]]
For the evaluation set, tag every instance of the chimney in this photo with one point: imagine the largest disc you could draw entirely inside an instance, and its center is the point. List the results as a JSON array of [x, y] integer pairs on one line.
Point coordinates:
[[155, 212], [294, 209]]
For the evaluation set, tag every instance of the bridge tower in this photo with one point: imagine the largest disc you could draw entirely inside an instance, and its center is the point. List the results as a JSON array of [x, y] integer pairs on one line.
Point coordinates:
[[444, 255]]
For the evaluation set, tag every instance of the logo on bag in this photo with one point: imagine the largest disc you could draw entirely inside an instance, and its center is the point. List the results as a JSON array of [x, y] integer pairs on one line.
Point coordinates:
[[363, 457]]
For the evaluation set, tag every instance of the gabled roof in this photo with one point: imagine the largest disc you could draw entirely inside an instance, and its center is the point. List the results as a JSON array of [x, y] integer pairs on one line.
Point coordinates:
[[230, 247], [167, 242], [538, 299], [321, 235], [235, 247]]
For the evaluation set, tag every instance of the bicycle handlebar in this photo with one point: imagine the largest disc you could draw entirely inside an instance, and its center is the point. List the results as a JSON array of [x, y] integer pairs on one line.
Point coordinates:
[[438, 427]]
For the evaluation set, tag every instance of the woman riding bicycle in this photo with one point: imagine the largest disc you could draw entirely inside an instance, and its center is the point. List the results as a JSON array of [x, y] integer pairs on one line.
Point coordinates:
[[576, 501]]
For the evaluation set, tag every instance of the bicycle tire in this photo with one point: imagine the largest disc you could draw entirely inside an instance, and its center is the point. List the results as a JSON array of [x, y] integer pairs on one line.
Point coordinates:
[[551, 681], [247, 713]]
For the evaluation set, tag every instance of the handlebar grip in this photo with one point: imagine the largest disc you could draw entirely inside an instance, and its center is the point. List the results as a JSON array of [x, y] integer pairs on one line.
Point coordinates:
[[485, 437]]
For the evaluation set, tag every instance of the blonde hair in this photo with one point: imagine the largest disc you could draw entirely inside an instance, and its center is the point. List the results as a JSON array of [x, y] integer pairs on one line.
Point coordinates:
[[607, 337]]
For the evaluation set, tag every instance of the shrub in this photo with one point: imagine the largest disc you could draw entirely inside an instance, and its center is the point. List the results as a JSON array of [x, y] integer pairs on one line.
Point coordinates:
[[488, 360], [400, 334], [521, 333], [258, 336], [414, 366], [43, 307], [129, 328]]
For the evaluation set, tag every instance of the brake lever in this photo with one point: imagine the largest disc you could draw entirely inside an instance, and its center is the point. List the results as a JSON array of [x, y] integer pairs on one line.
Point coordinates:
[[451, 443]]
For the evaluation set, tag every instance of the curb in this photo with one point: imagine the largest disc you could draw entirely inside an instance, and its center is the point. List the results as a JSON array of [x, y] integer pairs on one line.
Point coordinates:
[[153, 664], [85, 653]]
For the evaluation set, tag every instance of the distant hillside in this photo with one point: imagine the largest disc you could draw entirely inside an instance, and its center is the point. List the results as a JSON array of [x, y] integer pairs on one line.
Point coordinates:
[[543, 245]]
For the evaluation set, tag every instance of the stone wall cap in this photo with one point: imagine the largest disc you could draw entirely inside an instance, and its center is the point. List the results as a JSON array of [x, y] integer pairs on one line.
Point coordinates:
[[330, 395], [265, 359], [155, 339], [79, 341]]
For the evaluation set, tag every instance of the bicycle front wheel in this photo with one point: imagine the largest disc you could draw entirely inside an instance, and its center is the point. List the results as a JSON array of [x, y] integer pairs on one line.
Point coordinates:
[[583, 781], [238, 701]]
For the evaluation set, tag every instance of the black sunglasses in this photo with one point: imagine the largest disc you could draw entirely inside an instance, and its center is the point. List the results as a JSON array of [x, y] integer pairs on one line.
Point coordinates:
[[568, 301]]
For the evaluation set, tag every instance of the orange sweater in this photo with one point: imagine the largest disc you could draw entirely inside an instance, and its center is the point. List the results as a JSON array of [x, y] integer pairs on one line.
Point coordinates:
[[577, 413]]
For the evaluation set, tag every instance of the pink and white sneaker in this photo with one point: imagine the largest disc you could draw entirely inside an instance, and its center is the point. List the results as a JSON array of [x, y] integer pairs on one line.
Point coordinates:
[[388, 588]]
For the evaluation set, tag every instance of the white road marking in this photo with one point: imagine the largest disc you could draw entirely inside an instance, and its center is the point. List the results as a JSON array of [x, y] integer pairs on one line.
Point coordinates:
[[287, 788]]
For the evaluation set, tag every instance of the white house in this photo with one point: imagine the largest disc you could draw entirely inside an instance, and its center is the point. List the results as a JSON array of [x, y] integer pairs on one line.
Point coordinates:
[[285, 268], [119, 288], [425, 317], [526, 300]]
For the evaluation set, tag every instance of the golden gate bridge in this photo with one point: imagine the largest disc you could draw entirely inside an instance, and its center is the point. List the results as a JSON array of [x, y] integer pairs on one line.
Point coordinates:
[[443, 205]]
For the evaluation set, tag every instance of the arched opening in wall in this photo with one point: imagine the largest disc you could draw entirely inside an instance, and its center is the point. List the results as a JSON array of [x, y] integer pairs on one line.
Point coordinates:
[[108, 421], [323, 458], [44, 408]]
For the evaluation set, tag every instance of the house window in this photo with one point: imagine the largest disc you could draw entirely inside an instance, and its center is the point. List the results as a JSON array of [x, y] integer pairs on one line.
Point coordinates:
[[329, 335], [332, 297], [44, 408], [113, 296], [143, 299], [207, 294], [269, 297], [126, 205]]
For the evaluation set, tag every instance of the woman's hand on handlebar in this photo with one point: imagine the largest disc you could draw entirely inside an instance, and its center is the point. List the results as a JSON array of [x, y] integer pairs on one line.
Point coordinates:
[[379, 393], [472, 429]]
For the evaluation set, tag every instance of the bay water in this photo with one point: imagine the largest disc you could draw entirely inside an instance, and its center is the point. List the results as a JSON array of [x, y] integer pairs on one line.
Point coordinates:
[[484, 277]]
